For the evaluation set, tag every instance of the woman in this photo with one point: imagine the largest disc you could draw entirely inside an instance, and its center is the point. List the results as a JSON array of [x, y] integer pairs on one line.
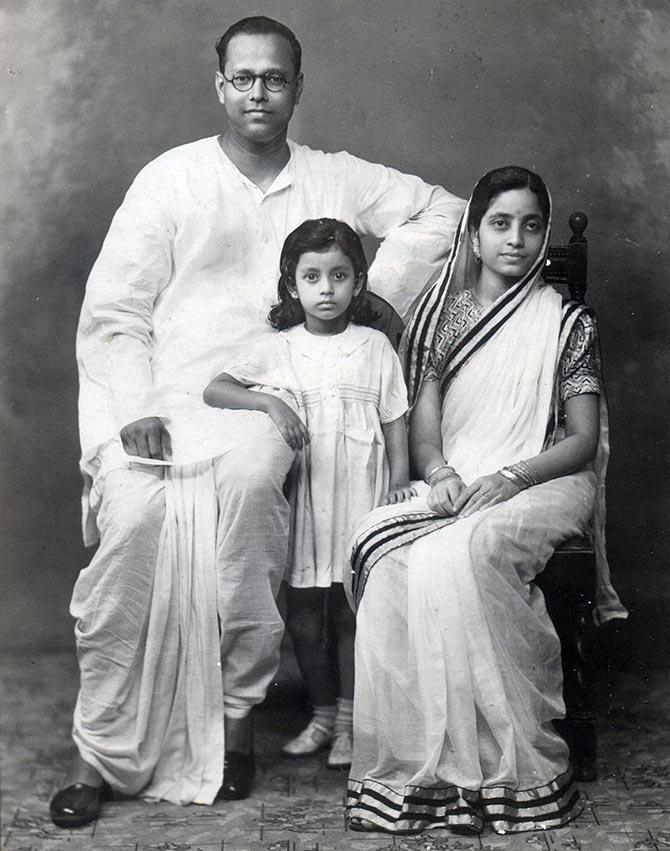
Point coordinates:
[[458, 672]]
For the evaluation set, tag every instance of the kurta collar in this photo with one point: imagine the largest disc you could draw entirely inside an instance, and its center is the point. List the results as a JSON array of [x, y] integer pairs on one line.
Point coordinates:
[[282, 180]]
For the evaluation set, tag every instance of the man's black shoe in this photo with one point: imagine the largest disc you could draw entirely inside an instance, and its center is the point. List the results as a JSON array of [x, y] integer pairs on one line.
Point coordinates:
[[76, 805], [239, 770]]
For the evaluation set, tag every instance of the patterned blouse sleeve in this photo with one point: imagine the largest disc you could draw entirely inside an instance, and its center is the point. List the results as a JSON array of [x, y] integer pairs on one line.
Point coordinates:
[[580, 366]]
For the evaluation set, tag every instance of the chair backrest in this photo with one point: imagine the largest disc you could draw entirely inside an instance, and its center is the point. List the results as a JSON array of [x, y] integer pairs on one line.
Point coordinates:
[[567, 262], [566, 268], [386, 319]]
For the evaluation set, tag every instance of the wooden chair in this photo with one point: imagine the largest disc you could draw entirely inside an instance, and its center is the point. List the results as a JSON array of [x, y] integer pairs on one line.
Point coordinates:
[[568, 581]]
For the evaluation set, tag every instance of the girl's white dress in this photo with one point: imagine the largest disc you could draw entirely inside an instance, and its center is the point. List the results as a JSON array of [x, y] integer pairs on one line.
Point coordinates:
[[343, 386]]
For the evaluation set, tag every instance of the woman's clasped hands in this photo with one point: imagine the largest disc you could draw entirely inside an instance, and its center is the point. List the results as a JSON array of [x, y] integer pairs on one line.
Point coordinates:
[[450, 495]]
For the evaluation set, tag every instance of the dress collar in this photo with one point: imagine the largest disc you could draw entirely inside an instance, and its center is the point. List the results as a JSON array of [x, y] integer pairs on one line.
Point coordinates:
[[316, 345]]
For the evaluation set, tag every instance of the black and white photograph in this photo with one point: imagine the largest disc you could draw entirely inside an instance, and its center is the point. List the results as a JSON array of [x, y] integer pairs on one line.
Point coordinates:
[[334, 464]]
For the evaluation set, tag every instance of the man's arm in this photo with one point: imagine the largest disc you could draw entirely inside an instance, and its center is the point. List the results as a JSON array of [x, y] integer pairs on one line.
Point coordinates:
[[416, 222], [115, 338]]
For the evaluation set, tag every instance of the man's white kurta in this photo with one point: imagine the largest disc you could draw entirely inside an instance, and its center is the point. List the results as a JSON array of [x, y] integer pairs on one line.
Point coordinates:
[[189, 269]]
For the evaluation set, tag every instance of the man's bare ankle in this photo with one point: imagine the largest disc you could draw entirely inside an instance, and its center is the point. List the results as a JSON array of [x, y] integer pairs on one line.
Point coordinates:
[[239, 735], [82, 772]]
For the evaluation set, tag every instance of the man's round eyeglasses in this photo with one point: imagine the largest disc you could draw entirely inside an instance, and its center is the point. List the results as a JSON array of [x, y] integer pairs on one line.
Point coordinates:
[[244, 82]]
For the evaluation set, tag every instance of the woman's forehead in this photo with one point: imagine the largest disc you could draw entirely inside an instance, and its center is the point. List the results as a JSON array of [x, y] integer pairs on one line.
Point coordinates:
[[515, 202]]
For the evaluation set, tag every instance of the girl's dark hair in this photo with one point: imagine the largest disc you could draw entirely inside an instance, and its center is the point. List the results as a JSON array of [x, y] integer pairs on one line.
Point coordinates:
[[319, 235], [501, 180]]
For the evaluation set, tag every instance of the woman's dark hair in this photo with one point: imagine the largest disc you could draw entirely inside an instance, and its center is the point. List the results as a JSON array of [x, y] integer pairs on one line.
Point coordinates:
[[502, 180], [319, 235], [259, 25]]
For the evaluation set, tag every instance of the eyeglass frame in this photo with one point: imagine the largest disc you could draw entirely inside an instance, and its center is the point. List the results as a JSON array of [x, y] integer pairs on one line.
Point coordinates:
[[263, 78]]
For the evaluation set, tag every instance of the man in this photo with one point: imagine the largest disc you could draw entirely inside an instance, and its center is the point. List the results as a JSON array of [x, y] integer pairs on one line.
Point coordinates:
[[184, 281]]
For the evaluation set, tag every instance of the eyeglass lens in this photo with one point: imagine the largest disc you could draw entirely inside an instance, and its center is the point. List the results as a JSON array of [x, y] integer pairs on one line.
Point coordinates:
[[272, 81]]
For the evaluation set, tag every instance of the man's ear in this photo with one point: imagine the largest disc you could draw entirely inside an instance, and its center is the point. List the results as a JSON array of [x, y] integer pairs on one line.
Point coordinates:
[[219, 84]]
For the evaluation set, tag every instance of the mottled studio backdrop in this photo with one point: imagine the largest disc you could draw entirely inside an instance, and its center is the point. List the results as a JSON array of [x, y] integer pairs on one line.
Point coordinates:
[[93, 89]]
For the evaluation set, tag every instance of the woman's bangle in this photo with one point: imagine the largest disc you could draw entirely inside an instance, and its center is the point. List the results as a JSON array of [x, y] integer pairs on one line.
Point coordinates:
[[523, 468], [442, 471], [522, 474], [443, 466], [513, 478]]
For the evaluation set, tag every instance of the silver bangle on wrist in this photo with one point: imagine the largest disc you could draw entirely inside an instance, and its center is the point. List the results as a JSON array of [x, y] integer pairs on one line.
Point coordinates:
[[442, 471], [513, 478], [521, 474]]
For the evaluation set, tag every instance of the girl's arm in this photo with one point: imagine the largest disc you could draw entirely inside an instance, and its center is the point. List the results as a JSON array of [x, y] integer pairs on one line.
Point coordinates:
[[227, 392], [395, 436], [573, 453], [425, 439]]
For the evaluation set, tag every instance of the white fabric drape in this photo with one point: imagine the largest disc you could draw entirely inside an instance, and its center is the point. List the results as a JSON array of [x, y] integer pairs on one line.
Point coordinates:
[[153, 723], [517, 369], [458, 676]]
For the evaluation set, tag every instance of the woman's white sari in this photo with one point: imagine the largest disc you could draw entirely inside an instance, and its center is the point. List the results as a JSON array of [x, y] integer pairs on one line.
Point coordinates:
[[458, 669]]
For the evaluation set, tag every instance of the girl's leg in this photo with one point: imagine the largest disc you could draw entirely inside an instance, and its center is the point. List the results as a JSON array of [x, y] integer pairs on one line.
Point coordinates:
[[343, 631], [342, 623], [305, 621]]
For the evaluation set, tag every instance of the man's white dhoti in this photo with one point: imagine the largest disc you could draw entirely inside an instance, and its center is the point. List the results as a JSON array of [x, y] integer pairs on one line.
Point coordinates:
[[186, 575]]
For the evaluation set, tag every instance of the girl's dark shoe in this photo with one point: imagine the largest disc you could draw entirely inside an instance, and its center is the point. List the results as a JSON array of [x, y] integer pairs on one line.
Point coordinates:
[[239, 770], [76, 805]]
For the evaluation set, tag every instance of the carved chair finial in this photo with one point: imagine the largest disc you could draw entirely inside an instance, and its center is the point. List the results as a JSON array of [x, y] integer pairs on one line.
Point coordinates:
[[578, 222]]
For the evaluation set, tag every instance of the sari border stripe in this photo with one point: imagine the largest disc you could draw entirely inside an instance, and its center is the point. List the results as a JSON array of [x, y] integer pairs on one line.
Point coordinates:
[[548, 805], [482, 331], [389, 535], [425, 316]]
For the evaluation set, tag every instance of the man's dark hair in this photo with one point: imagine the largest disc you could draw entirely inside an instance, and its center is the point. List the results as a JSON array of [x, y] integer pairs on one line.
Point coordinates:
[[259, 25]]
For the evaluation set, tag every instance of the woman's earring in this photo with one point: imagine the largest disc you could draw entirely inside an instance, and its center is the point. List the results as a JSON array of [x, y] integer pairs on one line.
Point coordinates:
[[475, 251]]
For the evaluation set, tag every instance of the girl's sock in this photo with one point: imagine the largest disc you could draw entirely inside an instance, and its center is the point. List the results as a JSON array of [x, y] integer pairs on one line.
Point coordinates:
[[325, 715], [344, 719]]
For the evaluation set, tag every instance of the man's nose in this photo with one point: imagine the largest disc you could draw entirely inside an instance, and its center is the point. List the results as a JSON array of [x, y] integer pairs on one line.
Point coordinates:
[[326, 284], [257, 91]]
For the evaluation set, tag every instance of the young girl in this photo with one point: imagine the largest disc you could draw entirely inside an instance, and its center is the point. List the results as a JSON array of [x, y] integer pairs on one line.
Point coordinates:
[[336, 393]]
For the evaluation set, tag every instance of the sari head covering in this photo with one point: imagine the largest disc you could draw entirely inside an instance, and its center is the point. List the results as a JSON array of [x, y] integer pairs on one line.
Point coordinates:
[[462, 268]]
